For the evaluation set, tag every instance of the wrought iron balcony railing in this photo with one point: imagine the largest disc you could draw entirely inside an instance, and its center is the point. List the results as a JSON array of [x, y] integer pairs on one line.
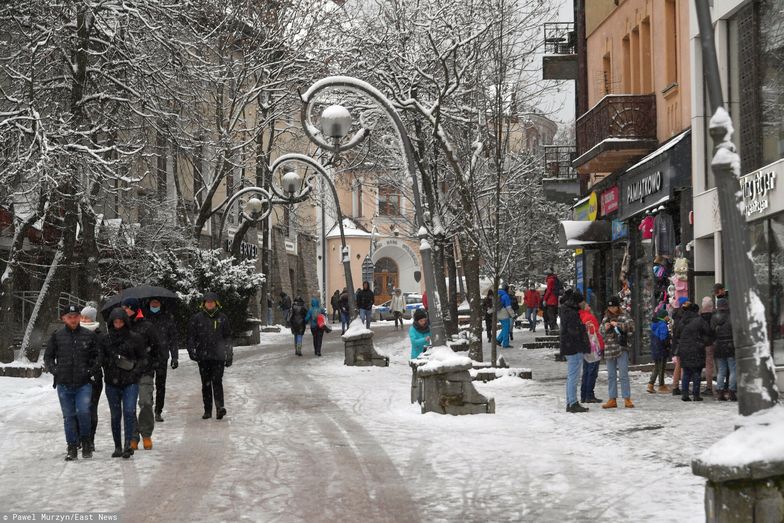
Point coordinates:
[[559, 38], [558, 161], [620, 117]]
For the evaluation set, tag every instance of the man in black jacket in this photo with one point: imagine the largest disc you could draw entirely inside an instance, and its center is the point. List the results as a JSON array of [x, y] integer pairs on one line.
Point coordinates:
[[209, 344], [574, 343], [72, 357], [285, 306], [146, 419], [365, 299], [166, 330]]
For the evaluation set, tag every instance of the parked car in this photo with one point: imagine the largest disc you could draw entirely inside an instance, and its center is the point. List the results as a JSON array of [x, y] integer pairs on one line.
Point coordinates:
[[384, 310]]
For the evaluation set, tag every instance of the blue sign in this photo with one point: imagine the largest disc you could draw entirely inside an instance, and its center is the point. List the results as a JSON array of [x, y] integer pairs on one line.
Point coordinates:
[[580, 273], [620, 229]]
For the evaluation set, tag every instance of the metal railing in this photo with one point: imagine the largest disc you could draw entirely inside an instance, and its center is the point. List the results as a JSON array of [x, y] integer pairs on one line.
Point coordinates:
[[26, 301], [558, 161], [560, 38], [617, 116]]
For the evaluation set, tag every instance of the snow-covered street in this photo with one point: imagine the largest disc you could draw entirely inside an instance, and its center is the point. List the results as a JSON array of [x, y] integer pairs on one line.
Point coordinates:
[[308, 439]]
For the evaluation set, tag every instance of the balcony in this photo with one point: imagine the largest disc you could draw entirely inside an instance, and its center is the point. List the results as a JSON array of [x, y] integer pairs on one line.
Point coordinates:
[[560, 181], [617, 130], [560, 52]]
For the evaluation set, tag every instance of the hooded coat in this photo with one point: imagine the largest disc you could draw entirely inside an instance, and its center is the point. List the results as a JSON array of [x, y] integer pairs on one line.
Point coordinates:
[[690, 337], [152, 346], [209, 336], [297, 317], [660, 339], [550, 297], [122, 344], [721, 326], [418, 335], [312, 316], [573, 336], [166, 330]]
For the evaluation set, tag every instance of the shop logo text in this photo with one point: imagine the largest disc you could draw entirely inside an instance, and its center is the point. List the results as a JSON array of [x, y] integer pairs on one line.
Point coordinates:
[[643, 187], [756, 187]]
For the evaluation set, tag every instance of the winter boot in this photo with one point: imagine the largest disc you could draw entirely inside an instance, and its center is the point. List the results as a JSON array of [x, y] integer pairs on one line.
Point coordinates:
[[127, 453], [664, 389], [723, 395], [221, 413], [733, 396], [576, 408], [206, 415], [147, 443], [612, 403], [87, 448], [73, 453], [627, 402], [158, 418], [651, 389], [698, 398], [676, 391], [134, 444], [118, 452], [298, 349], [685, 397]]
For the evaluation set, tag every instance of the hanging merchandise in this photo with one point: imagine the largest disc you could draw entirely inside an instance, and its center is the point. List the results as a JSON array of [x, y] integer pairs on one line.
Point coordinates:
[[663, 235], [662, 269], [680, 278], [646, 226]]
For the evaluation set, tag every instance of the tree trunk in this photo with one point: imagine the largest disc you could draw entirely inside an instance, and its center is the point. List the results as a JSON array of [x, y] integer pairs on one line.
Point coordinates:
[[451, 267], [471, 261]]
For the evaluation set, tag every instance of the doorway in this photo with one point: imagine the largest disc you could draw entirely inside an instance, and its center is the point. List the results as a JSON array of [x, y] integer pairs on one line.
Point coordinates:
[[385, 279]]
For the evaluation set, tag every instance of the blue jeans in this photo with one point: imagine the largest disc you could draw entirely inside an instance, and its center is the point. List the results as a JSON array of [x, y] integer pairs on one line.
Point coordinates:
[[726, 365], [75, 404], [573, 364], [343, 321], [122, 405], [691, 375], [365, 315], [615, 366], [588, 383], [531, 316], [503, 337]]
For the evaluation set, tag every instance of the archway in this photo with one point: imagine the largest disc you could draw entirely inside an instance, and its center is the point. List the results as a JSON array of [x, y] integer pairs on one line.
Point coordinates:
[[386, 279]]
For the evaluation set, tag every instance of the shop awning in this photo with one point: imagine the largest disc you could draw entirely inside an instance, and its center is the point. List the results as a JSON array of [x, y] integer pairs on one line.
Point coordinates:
[[574, 234]]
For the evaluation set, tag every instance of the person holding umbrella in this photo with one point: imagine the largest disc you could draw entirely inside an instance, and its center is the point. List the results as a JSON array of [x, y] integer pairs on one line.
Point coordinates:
[[152, 350], [166, 330], [209, 344]]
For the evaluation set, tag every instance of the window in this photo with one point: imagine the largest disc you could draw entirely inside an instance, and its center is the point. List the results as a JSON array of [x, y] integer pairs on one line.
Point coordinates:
[[771, 27], [646, 85], [627, 65], [635, 62], [607, 73], [388, 201], [671, 44]]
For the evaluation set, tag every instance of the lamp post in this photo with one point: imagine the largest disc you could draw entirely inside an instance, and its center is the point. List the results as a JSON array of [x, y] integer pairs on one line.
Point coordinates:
[[757, 388], [335, 124]]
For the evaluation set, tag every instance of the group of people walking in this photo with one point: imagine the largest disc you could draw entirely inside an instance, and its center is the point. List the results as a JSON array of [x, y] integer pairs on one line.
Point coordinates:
[[130, 358], [695, 337]]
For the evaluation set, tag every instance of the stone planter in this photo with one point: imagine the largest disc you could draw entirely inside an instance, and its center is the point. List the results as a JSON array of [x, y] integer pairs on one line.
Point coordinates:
[[360, 352], [447, 388]]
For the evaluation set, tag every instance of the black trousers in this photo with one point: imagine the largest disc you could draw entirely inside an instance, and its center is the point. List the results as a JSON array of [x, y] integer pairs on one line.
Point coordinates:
[[489, 325], [160, 387], [97, 388], [398, 318], [318, 337], [211, 372], [551, 317]]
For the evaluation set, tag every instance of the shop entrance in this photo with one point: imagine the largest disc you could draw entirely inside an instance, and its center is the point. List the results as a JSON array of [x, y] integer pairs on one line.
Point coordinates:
[[385, 279]]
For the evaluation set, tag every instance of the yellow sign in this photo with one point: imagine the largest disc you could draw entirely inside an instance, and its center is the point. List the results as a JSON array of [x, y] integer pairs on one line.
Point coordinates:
[[593, 207]]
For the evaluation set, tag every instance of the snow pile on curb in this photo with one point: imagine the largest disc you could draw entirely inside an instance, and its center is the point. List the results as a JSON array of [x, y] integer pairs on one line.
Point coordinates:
[[356, 330], [500, 373], [758, 440], [440, 360]]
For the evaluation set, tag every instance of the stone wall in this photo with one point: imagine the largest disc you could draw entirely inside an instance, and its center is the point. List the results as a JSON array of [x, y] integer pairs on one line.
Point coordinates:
[[305, 282]]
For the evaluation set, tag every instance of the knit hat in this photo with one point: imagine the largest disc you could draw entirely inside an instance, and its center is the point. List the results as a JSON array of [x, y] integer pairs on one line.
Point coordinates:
[[90, 312], [682, 300], [722, 304], [211, 296], [614, 301], [707, 304], [662, 313], [131, 303], [419, 314]]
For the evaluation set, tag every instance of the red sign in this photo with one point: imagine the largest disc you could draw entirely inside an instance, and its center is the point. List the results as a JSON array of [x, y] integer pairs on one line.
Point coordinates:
[[610, 200]]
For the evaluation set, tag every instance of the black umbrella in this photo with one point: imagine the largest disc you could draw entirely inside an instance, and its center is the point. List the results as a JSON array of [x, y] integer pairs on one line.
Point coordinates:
[[141, 292]]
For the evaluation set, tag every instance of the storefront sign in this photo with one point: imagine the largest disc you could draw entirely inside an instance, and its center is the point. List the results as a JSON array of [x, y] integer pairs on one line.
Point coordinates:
[[396, 242], [644, 187], [579, 273], [756, 188], [610, 200], [588, 209], [620, 230]]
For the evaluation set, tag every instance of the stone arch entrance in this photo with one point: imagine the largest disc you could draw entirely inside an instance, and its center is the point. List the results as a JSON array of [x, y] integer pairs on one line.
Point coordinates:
[[386, 278]]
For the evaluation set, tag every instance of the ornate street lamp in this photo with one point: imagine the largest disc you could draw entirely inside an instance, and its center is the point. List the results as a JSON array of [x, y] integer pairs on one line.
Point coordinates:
[[336, 123]]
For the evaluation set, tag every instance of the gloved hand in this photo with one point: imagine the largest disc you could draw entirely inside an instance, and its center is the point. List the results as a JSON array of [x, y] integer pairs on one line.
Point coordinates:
[[228, 362], [174, 364]]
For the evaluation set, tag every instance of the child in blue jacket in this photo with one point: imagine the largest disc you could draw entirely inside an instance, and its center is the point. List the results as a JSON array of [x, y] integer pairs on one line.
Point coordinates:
[[660, 345]]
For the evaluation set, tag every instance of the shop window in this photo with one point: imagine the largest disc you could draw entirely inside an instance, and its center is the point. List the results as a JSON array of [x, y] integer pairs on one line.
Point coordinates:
[[388, 201], [775, 305], [771, 27]]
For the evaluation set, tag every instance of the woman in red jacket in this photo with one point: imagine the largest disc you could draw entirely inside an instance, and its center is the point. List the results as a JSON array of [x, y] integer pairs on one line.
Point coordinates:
[[532, 299]]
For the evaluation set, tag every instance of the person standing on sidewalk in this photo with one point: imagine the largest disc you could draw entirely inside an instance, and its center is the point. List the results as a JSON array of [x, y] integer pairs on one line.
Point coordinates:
[[721, 325], [660, 345], [706, 312], [297, 323], [487, 307], [168, 338], [590, 370], [532, 299], [398, 307], [285, 307], [335, 302], [419, 333], [616, 328], [676, 373], [691, 336], [505, 315], [145, 424], [550, 302], [311, 318], [345, 311], [88, 321], [122, 357], [365, 299], [573, 344], [209, 344], [72, 357]]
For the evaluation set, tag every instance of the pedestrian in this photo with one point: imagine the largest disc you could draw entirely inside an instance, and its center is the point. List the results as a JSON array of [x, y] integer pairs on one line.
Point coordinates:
[[677, 313], [312, 319], [660, 345], [719, 291], [706, 312], [616, 328], [209, 344], [365, 299], [724, 351], [270, 305], [122, 357], [487, 306], [345, 310], [335, 302], [398, 307], [297, 323], [532, 298], [419, 333], [89, 315], [504, 315], [515, 310], [550, 301], [285, 307], [169, 344], [573, 344], [72, 357], [690, 336], [145, 424], [590, 369]]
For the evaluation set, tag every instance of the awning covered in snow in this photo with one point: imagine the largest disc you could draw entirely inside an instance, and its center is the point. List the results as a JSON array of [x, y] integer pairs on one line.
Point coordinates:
[[577, 234]]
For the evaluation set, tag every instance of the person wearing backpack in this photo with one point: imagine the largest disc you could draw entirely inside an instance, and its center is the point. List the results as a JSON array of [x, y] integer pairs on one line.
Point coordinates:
[[312, 319], [550, 301]]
